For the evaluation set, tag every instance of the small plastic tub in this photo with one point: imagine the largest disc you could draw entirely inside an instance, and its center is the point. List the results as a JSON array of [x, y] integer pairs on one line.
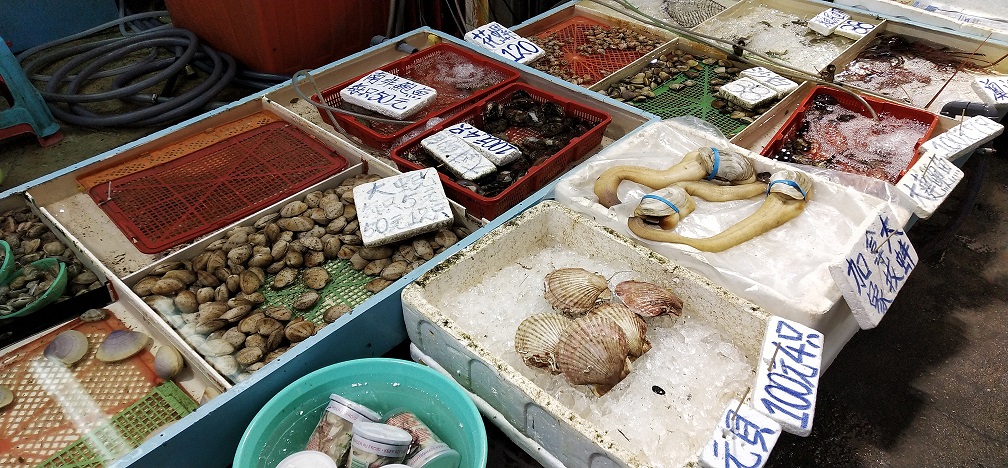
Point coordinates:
[[51, 295]]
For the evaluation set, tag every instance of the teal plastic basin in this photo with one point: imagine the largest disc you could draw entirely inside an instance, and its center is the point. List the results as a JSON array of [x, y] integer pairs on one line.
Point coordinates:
[[283, 426]]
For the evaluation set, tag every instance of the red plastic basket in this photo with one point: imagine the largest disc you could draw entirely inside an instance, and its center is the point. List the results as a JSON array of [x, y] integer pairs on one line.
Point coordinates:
[[177, 201], [597, 66], [790, 128], [427, 67], [538, 176]]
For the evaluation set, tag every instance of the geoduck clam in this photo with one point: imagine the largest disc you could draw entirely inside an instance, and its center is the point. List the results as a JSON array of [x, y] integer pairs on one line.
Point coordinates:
[[665, 207], [703, 163], [786, 197]]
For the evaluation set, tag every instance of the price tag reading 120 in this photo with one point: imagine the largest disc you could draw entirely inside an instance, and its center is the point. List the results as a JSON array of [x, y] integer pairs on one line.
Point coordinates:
[[788, 376]]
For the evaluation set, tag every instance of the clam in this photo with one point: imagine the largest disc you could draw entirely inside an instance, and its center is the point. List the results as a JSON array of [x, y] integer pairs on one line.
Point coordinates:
[[6, 396], [248, 356], [633, 326], [68, 347], [727, 166], [121, 344], [336, 311], [168, 286], [94, 315], [278, 312], [377, 284], [186, 301], [296, 224], [293, 208], [306, 300], [284, 278], [315, 277], [593, 351], [395, 270], [575, 291], [143, 287], [299, 331], [234, 336], [249, 282], [168, 362], [647, 299], [537, 337]]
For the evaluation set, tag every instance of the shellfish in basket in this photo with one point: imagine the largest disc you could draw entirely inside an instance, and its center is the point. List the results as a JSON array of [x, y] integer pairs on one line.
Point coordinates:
[[575, 291]]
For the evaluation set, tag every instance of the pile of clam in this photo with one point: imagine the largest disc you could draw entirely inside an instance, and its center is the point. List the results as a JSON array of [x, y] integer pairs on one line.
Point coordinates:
[[598, 40], [30, 241], [216, 300], [592, 337]]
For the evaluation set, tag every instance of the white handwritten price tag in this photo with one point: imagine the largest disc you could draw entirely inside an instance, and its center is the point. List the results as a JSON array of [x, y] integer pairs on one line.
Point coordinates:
[[388, 94], [826, 22], [854, 29], [498, 151], [929, 182], [788, 377], [747, 93], [502, 41], [463, 160], [768, 78], [963, 139], [878, 264], [402, 206], [992, 89], [742, 439]]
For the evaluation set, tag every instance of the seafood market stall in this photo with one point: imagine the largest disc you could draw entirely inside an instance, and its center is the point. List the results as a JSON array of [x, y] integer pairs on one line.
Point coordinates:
[[634, 218]]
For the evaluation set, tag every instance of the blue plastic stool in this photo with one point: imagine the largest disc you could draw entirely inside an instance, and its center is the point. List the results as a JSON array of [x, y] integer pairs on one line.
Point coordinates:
[[28, 112]]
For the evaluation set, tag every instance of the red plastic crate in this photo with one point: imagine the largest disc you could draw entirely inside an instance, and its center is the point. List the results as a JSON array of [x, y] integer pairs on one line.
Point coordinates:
[[423, 67], [177, 201], [789, 129], [537, 177], [597, 66]]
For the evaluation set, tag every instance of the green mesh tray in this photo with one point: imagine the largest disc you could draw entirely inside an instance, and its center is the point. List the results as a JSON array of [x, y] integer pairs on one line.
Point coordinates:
[[345, 286], [694, 100], [125, 431]]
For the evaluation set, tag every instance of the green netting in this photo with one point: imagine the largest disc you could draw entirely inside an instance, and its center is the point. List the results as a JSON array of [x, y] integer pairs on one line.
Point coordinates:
[[345, 286], [692, 100], [125, 431]]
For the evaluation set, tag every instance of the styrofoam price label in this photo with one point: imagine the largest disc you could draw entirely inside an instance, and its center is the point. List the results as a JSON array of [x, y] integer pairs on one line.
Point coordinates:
[[742, 439], [826, 22], [502, 41], [463, 160], [929, 182], [854, 29], [747, 93], [388, 94], [402, 206], [963, 139], [875, 268], [768, 78], [497, 150], [992, 89], [787, 380]]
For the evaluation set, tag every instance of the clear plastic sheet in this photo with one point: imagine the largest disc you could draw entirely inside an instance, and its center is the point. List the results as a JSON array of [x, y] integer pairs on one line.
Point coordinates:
[[785, 270]]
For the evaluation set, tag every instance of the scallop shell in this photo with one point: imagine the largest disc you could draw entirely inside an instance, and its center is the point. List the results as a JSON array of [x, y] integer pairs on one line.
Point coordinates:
[[800, 178], [6, 396], [537, 337], [731, 167], [68, 347], [647, 299], [654, 208], [593, 351], [121, 344], [633, 326], [315, 277], [575, 291], [168, 362]]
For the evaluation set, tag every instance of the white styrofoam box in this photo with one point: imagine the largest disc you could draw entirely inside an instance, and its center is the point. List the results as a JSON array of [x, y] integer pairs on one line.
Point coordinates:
[[463, 160], [747, 93], [743, 437], [534, 412], [504, 42], [826, 22], [768, 78], [401, 206], [854, 29], [993, 89], [497, 150], [388, 94]]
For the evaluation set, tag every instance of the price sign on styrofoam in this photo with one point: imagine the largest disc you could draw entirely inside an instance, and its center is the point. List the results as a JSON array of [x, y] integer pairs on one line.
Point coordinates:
[[768, 78], [461, 159], [497, 150], [992, 89], [875, 268], [854, 29], [963, 139], [787, 380], [502, 41], [826, 22], [402, 206], [747, 93], [742, 439], [388, 94], [929, 182]]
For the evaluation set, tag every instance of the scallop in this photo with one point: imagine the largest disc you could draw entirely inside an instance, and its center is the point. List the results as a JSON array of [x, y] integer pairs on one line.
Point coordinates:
[[593, 351], [6, 396], [68, 347], [537, 337], [633, 326], [168, 362], [647, 299], [121, 344], [575, 291]]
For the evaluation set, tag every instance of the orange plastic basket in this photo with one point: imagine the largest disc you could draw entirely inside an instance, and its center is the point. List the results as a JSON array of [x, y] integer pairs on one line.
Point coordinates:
[[596, 66]]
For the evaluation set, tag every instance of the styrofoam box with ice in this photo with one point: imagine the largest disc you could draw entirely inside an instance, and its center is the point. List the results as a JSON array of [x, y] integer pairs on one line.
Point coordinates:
[[464, 315], [463, 160], [828, 21], [388, 94], [747, 93], [768, 78], [497, 150]]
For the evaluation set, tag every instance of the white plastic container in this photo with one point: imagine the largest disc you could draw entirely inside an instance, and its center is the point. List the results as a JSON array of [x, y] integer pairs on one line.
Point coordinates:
[[377, 444], [334, 431], [308, 459]]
